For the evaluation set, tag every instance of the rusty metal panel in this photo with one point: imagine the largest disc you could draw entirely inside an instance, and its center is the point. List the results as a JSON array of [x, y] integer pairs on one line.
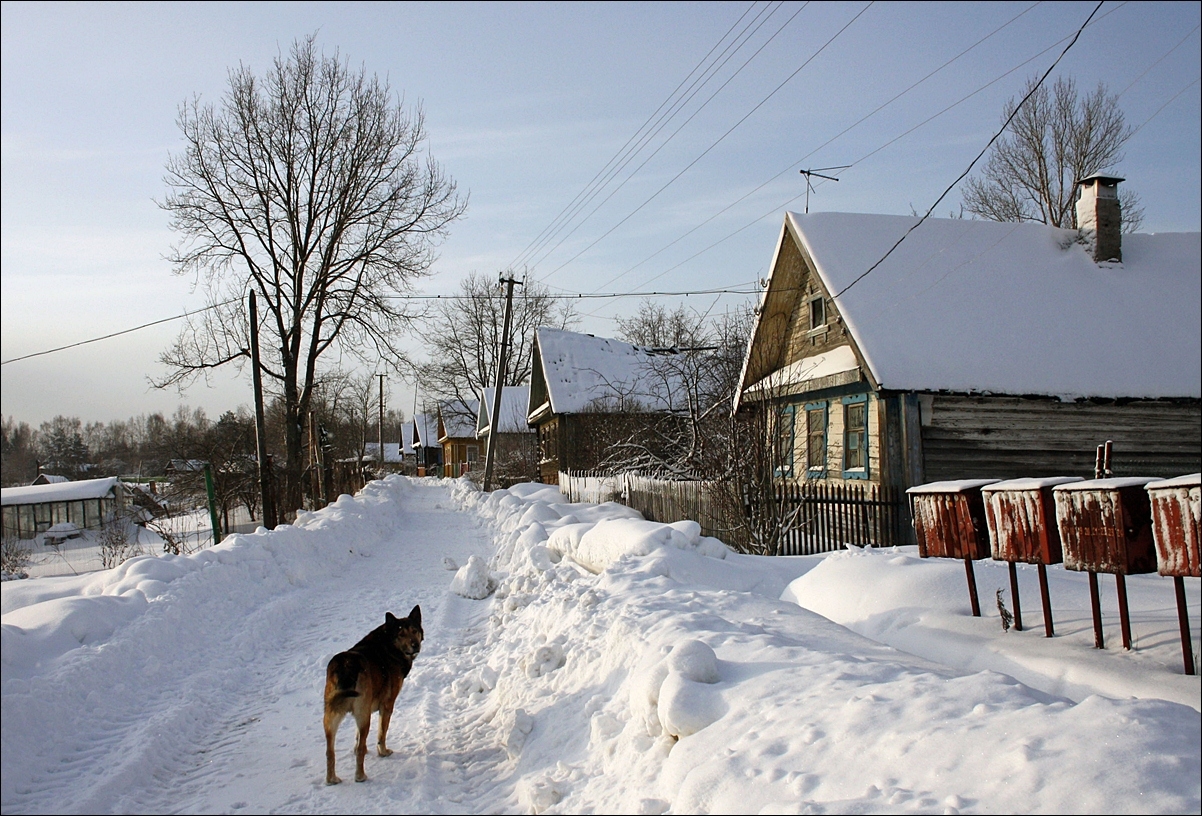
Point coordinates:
[[1175, 511], [1022, 526], [1106, 526], [949, 519]]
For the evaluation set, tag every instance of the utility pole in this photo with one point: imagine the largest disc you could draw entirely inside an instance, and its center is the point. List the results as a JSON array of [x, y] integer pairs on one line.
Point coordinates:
[[265, 497], [381, 424], [493, 418]]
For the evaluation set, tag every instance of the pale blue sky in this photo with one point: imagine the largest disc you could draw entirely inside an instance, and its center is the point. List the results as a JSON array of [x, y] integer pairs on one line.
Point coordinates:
[[524, 103]]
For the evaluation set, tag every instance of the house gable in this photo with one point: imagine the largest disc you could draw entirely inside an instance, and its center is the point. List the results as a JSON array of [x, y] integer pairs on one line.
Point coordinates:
[[800, 343]]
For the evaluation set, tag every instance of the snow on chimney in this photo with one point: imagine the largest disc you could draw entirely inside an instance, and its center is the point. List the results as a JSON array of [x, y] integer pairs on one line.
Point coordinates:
[[1098, 216]]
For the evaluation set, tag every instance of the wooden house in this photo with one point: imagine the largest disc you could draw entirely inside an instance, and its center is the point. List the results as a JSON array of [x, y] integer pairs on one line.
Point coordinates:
[[427, 452], [978, 349], [588, 393], [88, 504], [461, 451], [516, 453]]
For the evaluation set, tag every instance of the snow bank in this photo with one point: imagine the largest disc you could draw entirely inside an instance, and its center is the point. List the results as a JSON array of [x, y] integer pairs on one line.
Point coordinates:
[[45, 619], [629, 672]]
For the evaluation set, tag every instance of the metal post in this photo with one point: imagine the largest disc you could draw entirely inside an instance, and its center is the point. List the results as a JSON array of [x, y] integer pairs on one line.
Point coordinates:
[[213, 520], [1047, 601], [1018, 610], [490, 449], [1124, 615], [1096, 605], [972, 588], [1187, 649], [265, 495]]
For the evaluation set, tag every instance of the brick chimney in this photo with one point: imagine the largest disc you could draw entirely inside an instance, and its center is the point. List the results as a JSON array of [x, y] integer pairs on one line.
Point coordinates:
[[1098, 216]]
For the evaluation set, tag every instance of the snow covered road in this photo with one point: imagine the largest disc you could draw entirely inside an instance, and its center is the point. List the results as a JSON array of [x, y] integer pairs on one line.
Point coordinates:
[[210, 701]]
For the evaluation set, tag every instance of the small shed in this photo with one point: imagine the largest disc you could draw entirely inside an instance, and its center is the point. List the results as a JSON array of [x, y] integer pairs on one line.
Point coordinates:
[[424, 442], [28, 511]]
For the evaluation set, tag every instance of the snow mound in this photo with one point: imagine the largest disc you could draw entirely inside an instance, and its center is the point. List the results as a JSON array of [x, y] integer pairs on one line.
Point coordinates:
[[473, 580]]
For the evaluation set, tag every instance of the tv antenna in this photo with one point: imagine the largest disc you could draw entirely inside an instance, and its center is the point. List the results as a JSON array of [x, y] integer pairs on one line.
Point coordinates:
[[810, 173]]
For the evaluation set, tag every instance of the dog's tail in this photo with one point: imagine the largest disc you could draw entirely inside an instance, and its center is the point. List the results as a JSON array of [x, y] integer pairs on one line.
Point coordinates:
[[344, 670]]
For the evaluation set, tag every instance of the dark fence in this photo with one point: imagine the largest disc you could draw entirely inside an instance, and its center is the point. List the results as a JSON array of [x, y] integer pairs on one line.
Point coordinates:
[[813, 517], [824, 517]]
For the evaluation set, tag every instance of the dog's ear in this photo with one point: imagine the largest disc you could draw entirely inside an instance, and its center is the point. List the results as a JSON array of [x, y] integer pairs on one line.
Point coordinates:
[[390, 618], [416, 615]]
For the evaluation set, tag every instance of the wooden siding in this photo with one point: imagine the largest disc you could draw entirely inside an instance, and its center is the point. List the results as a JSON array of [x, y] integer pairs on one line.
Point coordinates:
[[1012, 437]]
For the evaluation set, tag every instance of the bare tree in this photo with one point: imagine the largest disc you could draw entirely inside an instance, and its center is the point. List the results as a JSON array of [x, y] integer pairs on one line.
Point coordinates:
[[464, 336], [307, 185], [1057, 138]]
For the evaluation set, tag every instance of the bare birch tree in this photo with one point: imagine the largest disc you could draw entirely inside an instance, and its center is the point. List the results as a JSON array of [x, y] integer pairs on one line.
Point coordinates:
[[1057, 138], [463, 335], [310, 186]]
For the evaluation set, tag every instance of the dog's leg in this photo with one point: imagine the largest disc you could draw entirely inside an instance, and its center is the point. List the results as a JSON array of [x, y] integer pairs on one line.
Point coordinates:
[[385, 716], [363, 726], [331, 722]]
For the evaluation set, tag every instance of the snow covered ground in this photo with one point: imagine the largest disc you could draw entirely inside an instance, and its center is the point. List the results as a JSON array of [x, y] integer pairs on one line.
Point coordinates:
[[586, 661]]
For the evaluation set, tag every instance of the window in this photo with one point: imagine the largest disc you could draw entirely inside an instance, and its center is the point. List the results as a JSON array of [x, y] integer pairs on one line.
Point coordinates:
[[855, 437], [784, 442], [473, 454], [816, 439], [817, 313]]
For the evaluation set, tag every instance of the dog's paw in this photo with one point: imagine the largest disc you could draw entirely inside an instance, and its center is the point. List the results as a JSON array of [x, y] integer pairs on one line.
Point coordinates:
[[333, 780], [384, 751], [360, 777]]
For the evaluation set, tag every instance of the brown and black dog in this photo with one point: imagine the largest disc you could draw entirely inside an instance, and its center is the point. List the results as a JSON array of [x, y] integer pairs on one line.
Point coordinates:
[[366, 678]]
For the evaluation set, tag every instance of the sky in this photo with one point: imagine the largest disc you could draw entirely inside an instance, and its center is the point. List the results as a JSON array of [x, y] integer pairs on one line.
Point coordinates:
[[579, 659], [524, 105]]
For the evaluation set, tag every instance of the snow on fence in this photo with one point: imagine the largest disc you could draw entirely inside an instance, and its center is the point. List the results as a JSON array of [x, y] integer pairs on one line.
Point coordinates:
[[820, 517]]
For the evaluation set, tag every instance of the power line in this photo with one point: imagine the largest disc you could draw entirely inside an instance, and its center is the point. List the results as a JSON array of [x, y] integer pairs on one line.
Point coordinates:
[[626, 152], [714, 144], [119, 333], [737, 289], [863, 158], [968, 169], [841, 133], [674, 133], [1165, 105], [1163, 56]]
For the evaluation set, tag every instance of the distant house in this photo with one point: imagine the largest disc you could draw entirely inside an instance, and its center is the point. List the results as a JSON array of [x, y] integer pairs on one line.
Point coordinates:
[[47, 478], [426, 448], [394, 458], [979, 349], [516, 453], [587, 393], [88, 504], [461, 450]]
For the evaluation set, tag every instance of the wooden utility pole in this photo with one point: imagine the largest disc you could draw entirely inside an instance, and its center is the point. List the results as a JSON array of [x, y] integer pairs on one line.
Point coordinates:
[[493, 418], [381, 424], [265, 497]]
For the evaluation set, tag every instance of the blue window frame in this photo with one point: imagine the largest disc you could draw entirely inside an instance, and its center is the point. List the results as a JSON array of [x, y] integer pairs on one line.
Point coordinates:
[[855, 437], [815, 430]]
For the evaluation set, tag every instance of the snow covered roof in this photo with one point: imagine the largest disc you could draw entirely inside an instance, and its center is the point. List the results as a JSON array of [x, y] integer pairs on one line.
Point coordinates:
[[1015, 308], [407, 436], [392, 452], [950, 486], [425, 426], [515, 405], [575, 372], [59, 492], [457, 419], [826, 364], [49, 478], [1188, 480], [1029, 483]]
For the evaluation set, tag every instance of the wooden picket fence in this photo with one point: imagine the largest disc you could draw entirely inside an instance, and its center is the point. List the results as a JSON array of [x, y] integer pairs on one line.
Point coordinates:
[[817, 517]]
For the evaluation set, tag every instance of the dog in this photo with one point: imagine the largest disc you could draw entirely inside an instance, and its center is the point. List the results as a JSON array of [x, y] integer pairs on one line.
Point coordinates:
[[366, 678]]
